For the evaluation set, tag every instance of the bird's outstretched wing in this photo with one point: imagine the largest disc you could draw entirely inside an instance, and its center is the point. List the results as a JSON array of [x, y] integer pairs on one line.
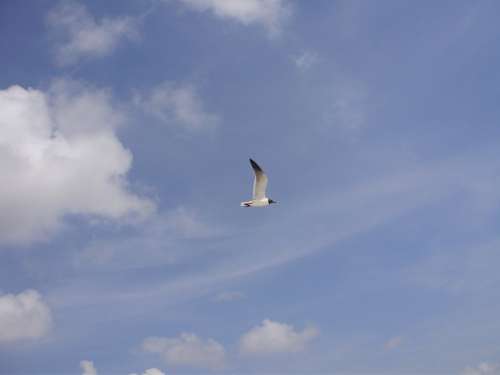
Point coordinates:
[[260, 181]]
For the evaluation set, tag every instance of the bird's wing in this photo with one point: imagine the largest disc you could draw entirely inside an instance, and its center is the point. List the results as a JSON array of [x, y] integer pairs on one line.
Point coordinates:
[[260, 181]]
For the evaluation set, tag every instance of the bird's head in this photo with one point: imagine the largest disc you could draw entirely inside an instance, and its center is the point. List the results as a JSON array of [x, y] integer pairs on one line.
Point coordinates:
[[271, 201]]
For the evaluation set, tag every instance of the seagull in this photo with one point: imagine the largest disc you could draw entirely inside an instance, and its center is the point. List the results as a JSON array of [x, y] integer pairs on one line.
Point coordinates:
[[259, 189]]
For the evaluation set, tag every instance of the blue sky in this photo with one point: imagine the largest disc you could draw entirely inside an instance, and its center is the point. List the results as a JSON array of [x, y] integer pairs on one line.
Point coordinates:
[[125, 132]]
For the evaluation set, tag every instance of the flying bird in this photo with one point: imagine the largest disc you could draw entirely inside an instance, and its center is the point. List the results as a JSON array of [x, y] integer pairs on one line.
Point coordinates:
[[259, 189]]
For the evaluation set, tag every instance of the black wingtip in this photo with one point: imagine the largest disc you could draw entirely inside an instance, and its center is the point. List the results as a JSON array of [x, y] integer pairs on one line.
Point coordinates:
[[255, 166]]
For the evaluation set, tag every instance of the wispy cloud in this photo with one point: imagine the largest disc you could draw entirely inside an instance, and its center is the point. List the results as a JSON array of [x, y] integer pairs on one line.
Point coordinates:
[[178, 106], [393, 342], [347, 107], [468, 268], [80, 35], [229, 296], [484, 368], [305, 60], [163, 239]]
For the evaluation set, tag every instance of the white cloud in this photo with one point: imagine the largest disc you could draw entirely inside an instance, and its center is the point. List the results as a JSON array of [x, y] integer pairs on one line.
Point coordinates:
[[81, 35], [59, 155], [393, 343], [178, 105], [269, 13], [484, 368], [88, 368], [151, 371], [274, 337], [306, 60], [229, 296], [23, 316], [187, 350]]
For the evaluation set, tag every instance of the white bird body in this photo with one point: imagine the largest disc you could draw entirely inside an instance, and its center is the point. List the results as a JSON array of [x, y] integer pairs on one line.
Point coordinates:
[[259, 189], [256, 203]]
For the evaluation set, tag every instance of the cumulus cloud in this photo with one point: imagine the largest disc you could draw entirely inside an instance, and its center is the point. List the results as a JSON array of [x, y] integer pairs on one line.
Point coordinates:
[[177, 105], [59, 155], [269, 13], [80, 34], [484, 368], [274, 337], [24, 316], [187, 350], [88, 368]]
